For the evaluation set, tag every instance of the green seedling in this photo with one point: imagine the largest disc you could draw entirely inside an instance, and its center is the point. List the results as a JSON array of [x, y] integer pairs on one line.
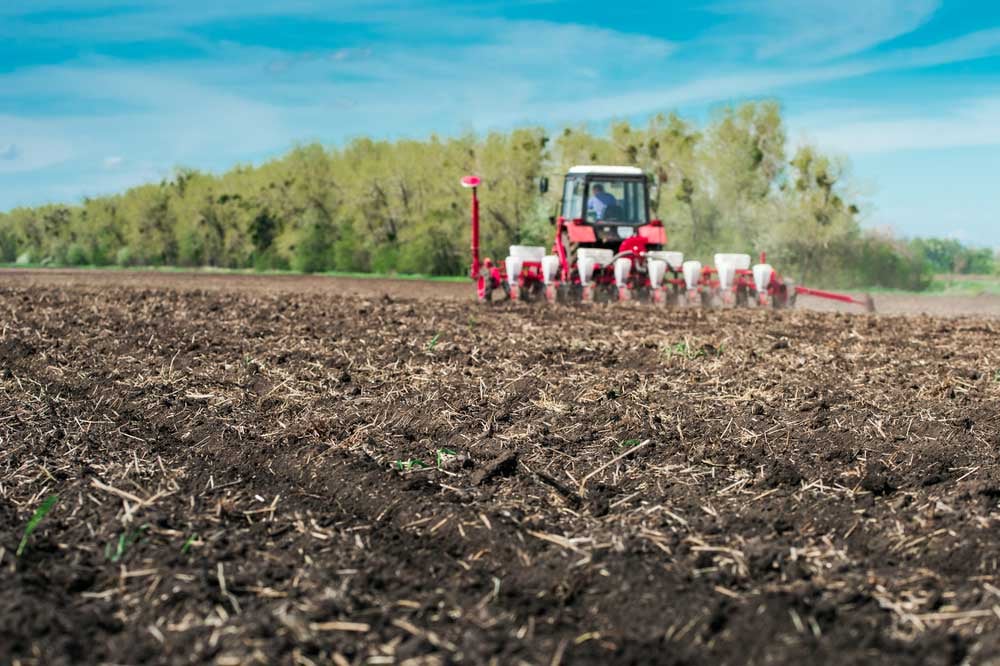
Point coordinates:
[[441, 453], [36, 518], [116, 550], [433, 343], [996, 376], [628, 444], [407, 465], [187, 544], [681, 349], [684, 350]]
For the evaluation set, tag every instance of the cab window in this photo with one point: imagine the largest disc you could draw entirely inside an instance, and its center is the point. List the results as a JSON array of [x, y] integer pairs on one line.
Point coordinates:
[[572, 203], [616, 200]]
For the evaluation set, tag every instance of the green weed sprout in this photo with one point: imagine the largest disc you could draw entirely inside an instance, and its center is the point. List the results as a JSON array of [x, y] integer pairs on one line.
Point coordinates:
[[433, 343], [36, 518], [684, 350], [187, 544], [125, 540], [441, 453], [406, 465]]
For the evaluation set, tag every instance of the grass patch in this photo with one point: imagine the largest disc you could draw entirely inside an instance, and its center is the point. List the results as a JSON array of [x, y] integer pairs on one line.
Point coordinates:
[[943, 285], [965, 285], [36, 518], [214, 270]]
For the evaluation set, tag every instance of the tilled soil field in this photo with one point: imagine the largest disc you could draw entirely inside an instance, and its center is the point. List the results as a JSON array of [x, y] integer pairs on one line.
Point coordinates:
[[281, 476], [982, 305]]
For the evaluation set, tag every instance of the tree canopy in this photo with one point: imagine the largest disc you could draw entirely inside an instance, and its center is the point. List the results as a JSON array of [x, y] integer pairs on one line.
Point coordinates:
[[732, 185]]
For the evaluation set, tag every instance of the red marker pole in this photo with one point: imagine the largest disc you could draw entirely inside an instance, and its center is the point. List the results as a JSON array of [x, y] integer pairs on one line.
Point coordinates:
[[472, 182], [475, 233]]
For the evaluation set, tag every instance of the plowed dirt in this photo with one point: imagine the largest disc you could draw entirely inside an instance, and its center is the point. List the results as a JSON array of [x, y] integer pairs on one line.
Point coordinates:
[[294, 474]]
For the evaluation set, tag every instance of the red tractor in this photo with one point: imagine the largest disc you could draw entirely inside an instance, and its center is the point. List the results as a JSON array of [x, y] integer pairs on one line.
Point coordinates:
[[607, 248]]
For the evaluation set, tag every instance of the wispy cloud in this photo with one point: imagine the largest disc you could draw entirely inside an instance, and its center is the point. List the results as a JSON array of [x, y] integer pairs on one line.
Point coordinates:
[[970, 46], [240, 80], [966, 122], [239, 103], [30, 145], [822, 30]]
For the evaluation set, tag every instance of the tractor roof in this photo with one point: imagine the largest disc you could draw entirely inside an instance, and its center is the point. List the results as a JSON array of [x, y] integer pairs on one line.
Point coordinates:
[[606, 170]]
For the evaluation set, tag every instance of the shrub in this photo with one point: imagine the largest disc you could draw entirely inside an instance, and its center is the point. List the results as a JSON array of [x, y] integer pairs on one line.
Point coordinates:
[[76, 255], [313, 251], [123, 257], [882, 261]]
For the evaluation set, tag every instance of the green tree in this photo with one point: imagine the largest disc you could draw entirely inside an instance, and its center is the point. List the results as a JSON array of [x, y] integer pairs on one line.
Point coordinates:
[[314, 244], [727, 185], [149, 223], [8, 239], [814, 227]]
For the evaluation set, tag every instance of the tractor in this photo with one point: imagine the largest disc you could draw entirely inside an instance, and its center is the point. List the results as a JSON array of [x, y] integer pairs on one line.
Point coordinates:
[[607, 248]]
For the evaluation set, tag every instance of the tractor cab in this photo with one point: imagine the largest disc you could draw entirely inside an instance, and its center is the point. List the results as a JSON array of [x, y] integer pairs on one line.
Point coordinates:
[[604, 205]]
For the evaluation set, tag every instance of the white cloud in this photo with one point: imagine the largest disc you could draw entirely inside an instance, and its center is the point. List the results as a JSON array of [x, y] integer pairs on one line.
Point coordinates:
[[971, 46], [821, 30], [163, 112], [965, 123], [239, 103], [30, 145]]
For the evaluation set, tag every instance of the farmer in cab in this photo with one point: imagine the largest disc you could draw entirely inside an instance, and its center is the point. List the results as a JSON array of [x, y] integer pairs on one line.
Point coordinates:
[[600, 200]]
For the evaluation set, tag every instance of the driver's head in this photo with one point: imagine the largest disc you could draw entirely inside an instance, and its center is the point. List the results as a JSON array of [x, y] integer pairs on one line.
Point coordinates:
[[598, 188]]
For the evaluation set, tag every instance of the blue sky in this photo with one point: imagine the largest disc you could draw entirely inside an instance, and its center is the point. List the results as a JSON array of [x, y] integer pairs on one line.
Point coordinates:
[[99, 95]]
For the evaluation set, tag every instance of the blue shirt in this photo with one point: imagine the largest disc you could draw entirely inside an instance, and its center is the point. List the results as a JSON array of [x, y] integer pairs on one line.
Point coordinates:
[[599, 202]]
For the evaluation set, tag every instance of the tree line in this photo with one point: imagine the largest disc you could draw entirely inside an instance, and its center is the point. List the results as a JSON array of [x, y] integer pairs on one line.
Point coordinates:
[[395, 206]]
